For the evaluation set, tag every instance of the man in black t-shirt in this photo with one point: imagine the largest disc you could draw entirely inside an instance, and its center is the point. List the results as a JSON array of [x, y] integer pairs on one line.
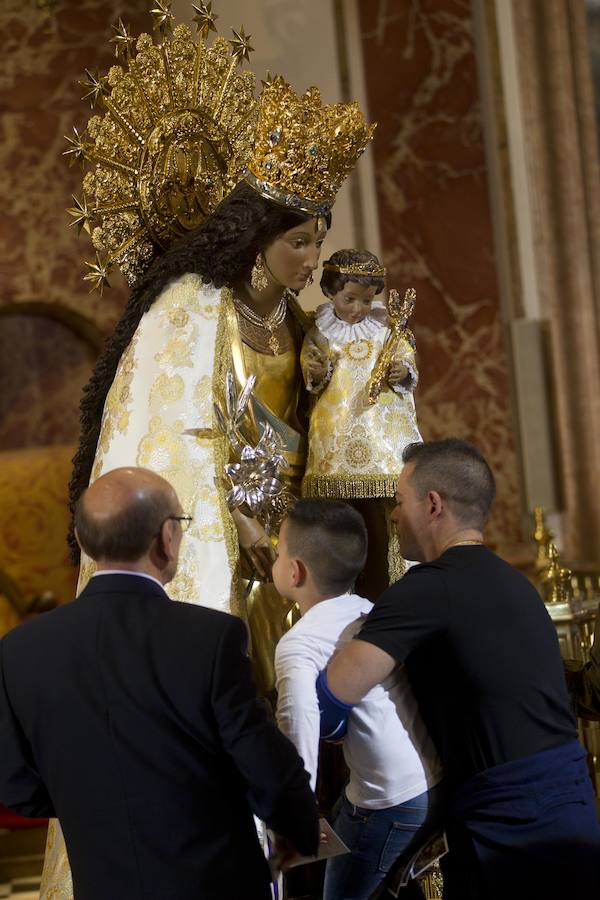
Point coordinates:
[[483, 659]]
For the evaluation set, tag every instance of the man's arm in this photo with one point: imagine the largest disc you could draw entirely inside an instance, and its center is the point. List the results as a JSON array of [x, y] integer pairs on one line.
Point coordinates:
[[405, 615], [21, 787], [297, 704], [357, 668], [279, 790], [351, 674]]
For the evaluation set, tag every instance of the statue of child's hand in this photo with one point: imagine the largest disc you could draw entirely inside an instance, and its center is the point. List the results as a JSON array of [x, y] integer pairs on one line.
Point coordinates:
[[255, 542], [317, 366], [397, 374]]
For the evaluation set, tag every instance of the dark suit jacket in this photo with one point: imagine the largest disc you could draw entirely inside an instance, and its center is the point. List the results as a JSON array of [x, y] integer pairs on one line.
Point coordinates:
[[136, 721]]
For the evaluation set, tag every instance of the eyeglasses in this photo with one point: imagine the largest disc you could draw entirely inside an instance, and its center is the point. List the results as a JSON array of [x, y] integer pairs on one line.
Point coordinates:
[[184, 521]]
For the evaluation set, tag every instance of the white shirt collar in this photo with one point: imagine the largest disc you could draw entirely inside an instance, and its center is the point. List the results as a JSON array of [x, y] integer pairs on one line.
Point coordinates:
[[323, 608], [129, 572]]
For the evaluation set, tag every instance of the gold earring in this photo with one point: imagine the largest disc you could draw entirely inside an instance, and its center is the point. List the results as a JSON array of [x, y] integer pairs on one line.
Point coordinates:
[[258, 276]]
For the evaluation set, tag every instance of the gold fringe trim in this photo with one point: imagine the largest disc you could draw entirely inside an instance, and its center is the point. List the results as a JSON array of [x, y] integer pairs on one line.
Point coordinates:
[[366, 487], [396, 562]]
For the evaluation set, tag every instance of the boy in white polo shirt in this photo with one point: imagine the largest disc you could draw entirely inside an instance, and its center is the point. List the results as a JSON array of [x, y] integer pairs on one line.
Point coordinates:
[[392, 762]]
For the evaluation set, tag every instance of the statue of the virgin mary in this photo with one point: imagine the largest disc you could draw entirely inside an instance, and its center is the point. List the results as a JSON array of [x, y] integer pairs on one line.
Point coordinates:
[[215, 206]]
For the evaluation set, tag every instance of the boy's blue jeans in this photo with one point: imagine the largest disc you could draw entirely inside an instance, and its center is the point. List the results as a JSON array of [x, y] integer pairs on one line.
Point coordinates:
[[375, 837]]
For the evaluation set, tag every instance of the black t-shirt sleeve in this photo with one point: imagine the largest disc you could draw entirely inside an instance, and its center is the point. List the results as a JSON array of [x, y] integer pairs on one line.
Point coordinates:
[[409, 613]]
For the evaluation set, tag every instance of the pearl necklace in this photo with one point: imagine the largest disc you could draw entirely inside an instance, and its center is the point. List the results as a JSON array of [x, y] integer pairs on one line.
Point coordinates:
[[269, 323]]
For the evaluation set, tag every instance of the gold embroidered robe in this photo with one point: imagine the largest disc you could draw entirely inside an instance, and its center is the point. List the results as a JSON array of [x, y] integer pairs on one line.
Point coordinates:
[[355, 448]]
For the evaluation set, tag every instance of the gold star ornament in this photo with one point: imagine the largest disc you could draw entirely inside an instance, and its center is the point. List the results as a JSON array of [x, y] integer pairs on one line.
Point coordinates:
[[81, 215], [205, 19], [122, 40], [240, 45], [98, 274], [96, 85], [78, 149], [163, 17]]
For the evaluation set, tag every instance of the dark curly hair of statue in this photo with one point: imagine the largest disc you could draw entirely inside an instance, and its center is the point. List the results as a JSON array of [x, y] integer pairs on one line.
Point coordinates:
[[222, 250], [333, 282]]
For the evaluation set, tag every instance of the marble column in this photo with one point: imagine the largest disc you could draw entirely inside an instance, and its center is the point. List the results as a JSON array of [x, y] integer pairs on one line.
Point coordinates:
[[561, 144], [436, 228]]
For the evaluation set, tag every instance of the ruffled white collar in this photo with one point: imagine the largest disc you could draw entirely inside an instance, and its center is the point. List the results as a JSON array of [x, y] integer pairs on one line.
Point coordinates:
[[328, 324]]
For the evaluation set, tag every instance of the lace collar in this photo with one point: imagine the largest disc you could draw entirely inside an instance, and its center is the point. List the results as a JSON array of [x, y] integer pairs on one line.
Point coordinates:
[[328, 324]]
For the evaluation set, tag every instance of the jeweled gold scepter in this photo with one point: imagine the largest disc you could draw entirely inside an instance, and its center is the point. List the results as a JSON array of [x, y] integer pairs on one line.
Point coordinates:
[[399, 312]]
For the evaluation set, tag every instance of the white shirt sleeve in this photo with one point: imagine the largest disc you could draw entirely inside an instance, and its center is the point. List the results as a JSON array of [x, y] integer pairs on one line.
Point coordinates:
[[297, 705]]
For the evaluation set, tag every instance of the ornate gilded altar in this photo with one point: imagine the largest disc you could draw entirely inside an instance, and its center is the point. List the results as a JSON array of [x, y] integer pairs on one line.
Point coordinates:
[[571, 595]]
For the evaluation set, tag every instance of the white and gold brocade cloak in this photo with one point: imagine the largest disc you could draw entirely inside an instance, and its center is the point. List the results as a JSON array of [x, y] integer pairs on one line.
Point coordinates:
[[165, 384]]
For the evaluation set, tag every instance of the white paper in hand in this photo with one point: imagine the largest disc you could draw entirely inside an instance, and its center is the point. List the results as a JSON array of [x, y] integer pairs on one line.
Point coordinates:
[[331, 845]]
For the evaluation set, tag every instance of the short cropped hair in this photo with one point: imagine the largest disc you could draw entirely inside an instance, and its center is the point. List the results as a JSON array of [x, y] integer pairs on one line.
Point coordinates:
[[127, 534], [458, 472], [333, 282], [330, 537]]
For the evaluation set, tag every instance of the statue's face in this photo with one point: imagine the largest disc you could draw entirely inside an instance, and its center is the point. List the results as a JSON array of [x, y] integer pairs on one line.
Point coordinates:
[[353, 302], [293, 256]]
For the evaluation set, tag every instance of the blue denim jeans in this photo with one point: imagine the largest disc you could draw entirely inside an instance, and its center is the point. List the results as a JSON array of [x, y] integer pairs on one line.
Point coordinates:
[[375, 837]]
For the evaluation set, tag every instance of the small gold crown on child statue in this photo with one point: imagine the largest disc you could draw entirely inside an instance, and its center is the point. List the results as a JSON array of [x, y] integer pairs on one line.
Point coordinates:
[[365, 270], [303, 150]]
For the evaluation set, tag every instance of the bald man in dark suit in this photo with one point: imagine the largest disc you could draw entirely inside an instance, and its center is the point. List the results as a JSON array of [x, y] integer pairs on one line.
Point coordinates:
[[135, 721]]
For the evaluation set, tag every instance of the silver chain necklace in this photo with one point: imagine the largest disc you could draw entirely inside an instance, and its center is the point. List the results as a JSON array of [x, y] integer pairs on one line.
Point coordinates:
[[269, 323]]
